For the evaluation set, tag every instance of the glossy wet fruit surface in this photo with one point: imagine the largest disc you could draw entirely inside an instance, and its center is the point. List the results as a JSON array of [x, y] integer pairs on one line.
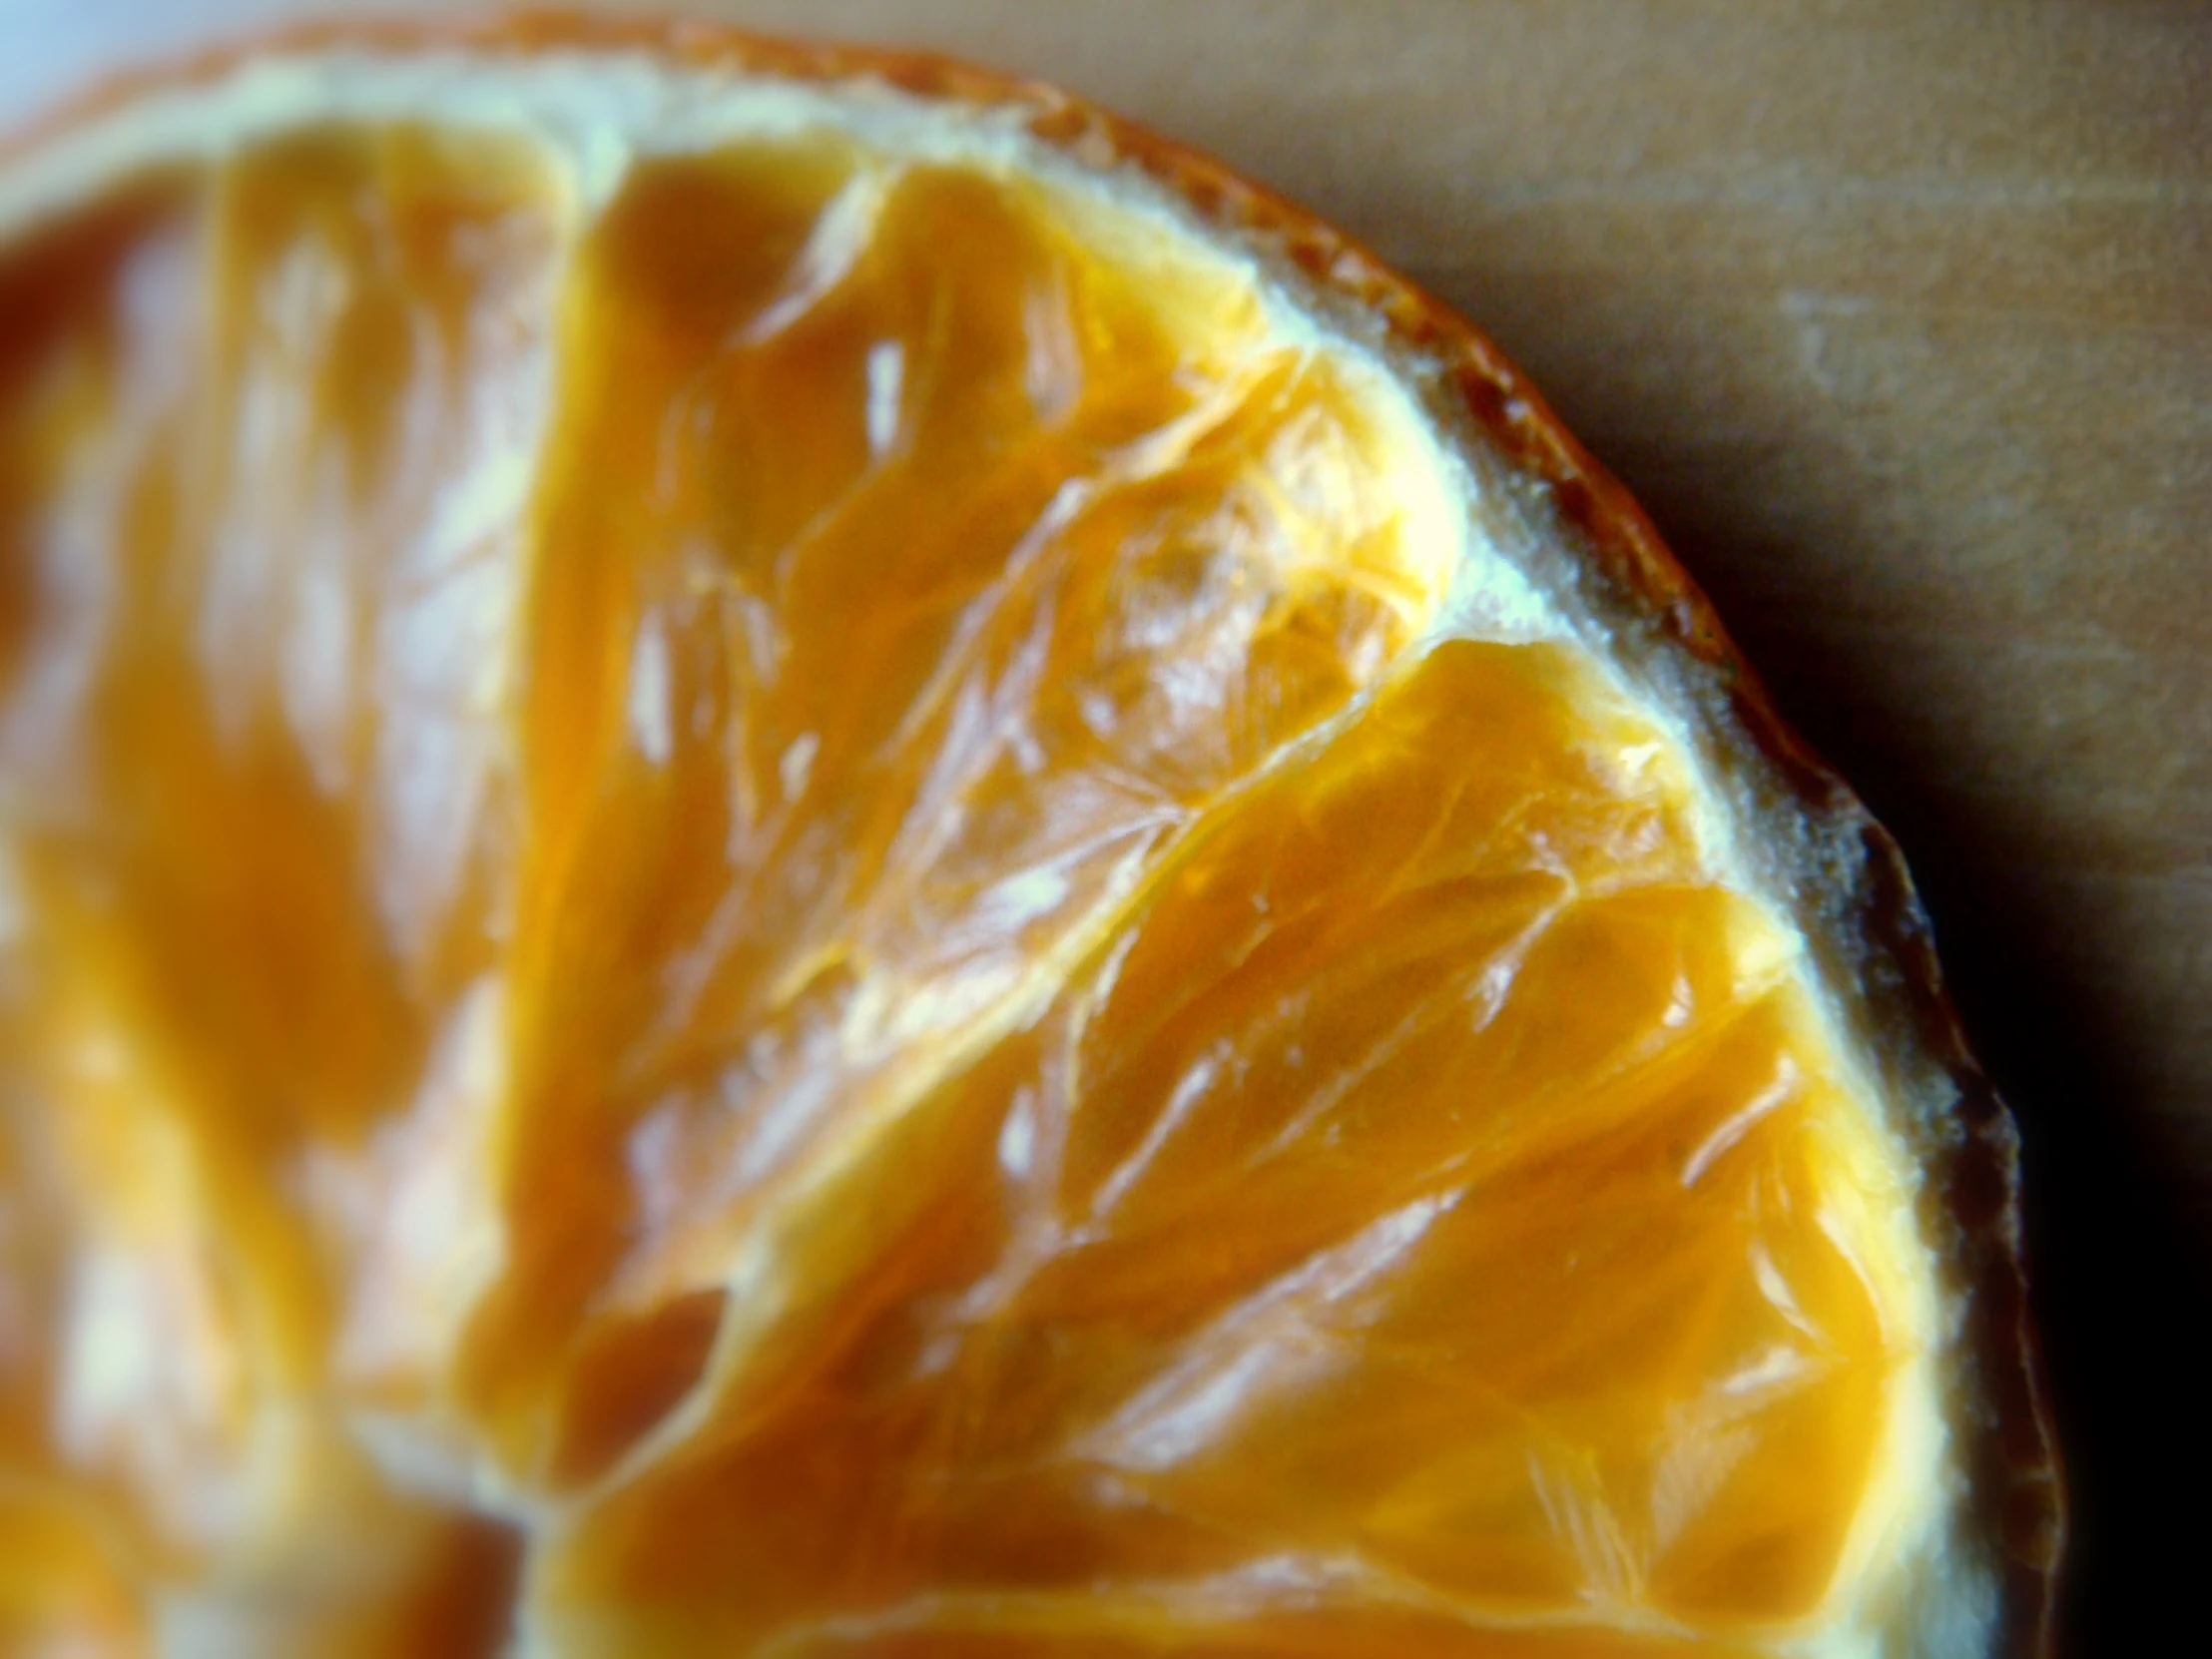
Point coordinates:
[[810, 907]]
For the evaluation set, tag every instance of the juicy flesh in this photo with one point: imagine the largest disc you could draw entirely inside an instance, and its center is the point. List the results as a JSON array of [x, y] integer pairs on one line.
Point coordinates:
[[765, 919]]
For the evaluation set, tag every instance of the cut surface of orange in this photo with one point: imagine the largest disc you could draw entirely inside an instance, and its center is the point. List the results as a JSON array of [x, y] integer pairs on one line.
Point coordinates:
[[799, 858]]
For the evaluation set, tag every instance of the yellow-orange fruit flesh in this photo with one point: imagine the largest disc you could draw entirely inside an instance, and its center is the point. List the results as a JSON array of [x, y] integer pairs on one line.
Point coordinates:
[[781, 912]]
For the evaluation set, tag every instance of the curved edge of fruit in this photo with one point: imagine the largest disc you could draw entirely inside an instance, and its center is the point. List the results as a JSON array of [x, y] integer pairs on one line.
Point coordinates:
[[2014, 1460]]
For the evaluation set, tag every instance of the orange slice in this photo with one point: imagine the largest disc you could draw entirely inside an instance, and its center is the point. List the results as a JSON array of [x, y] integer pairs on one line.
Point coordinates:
[[801, 857]]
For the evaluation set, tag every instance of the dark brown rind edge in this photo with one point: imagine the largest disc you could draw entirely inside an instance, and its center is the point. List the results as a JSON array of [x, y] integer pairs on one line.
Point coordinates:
[[2012, 1455]]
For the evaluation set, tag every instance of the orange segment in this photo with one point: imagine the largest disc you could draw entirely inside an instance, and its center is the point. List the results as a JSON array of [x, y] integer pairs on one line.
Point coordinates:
[[902, 590], [804, 886], [1421, 1207], [248, 779]]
